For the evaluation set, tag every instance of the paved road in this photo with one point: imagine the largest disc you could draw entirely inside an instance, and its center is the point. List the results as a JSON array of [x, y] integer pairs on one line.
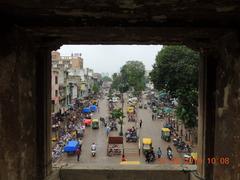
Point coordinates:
[[149, 128]]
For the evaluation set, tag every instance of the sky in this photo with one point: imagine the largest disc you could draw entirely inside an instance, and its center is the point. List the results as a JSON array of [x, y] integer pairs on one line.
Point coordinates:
[[110, 58]]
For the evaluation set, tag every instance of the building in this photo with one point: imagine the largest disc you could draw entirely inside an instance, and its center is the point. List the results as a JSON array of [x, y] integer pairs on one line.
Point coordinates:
[[75, 61], [55, 91]]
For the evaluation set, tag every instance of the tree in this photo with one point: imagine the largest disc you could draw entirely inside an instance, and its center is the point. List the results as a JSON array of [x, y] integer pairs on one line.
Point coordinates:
[[106, 78], [132, 73], [116, 80], [176, 70], [118, 114], [95, 88]]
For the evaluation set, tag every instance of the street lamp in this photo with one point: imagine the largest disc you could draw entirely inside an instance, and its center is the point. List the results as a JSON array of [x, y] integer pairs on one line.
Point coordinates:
[[122, 101]]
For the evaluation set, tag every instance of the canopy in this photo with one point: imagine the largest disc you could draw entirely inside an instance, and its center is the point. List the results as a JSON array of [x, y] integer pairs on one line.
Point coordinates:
[[130, 109], [71, 146], [147, 141], [93, 108], [115, 140], [165, 129], [95, 120], [86, 110], [87, 121], [167, 110], [162, 94], [194, 156]]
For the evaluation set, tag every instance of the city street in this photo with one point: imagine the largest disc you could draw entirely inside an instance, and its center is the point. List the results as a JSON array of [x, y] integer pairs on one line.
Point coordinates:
[[150, 129]]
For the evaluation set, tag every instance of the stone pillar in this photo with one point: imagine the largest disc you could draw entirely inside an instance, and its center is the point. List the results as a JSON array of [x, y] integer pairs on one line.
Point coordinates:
[[219, 110], [227, 132], [18, 143], [43, 106], [206, 120], [24, 108]]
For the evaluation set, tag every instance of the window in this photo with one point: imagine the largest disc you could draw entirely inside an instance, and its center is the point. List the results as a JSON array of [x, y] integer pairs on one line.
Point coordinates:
[[56, 93], [56, 79]]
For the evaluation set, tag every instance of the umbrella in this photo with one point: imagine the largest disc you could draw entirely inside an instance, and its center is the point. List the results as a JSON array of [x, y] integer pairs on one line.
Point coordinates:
[[161, 95], [71, 146], [93, 108], [167, 110], [86, 110], [87, 121]]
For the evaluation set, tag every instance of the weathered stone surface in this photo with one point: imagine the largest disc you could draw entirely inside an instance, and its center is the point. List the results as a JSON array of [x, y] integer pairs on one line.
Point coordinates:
[[17, 113], [227, 134], [24, 68]]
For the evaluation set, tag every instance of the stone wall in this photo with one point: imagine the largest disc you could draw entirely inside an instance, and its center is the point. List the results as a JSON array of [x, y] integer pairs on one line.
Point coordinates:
[[24, 124], [227, 123], [17, 109]]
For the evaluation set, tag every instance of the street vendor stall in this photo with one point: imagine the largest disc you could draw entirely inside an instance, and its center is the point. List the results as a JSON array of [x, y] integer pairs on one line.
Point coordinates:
[[71, 147], [115, 145]]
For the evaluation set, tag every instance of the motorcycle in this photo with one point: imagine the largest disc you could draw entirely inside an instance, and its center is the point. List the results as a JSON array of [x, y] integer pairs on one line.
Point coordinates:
[[150, 158], [169, 154], [93, 151]]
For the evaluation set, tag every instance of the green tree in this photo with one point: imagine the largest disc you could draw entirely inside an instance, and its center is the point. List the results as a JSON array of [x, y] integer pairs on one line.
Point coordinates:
[[95, 88], [116, 80], [132, 73], [106, 78], [176, 70], [118, 114]]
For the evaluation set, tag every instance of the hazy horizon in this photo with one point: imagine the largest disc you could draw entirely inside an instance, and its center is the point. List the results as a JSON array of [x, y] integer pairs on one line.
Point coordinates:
[[110, 58]]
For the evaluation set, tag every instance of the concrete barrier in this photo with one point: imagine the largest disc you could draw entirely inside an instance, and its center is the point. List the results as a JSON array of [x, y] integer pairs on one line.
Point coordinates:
[[126, 172]]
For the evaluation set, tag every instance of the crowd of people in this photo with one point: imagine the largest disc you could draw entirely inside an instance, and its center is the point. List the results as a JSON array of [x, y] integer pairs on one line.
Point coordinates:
[[68, 126]]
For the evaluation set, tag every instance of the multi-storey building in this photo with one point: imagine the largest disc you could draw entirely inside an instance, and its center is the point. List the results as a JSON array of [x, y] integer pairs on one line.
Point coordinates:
[[55, 91]]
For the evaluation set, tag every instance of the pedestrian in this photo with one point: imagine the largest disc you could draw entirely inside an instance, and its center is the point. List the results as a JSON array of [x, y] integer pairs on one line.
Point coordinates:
[[123, 158], [159, 153], [107, 130], [140, 124], [78, 152], [152, 116]]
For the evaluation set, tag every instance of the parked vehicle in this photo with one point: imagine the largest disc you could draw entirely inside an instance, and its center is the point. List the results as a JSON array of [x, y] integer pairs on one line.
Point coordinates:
[[145, 106], [95, 124]]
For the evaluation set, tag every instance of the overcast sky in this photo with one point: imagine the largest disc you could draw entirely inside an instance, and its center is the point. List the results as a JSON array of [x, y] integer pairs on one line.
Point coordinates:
[[110, 58]]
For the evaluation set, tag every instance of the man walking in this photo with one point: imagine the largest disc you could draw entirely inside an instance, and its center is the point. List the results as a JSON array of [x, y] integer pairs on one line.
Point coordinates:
[[78, 153], [140, 123]]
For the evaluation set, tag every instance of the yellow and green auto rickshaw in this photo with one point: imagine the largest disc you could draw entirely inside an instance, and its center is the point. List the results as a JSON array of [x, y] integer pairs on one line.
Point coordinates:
[[95, 102], [95, 124], [130, 109], [166, 134], [146, 145]]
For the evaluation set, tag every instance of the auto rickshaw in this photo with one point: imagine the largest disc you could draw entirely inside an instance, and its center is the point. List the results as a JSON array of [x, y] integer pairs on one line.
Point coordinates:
[[146, 145], [130, 109], [166, 134], [95, 124], [94, 101], [190, 158]]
